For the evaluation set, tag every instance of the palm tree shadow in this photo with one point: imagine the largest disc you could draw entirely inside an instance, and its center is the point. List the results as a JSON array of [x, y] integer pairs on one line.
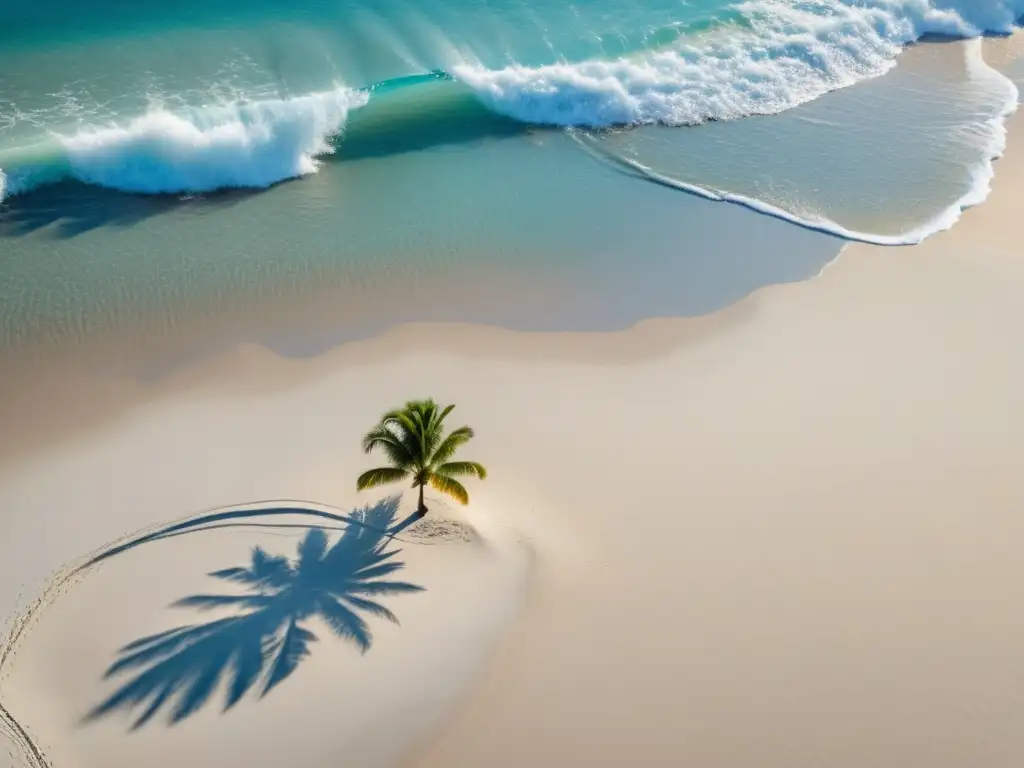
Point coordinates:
[[265, 638], [415, 517]]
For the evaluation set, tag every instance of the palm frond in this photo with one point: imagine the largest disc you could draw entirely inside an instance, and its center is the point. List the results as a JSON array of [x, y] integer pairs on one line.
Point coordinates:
[[399, 453], [406, 420], [431, 425], [380, 476], [391, 444], [451, 486], [420, 430], [408, 432], [396, 413], [463, 469], [450, 444], [444, 413], [392, 416]]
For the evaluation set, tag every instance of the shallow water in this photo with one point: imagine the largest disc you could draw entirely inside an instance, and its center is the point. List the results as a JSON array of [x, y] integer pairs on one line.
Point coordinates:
[[427, 144], [894, 157], [428, 234]]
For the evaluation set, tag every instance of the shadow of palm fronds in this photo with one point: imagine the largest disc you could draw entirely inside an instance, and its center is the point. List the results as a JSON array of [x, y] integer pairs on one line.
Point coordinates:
[[264, 639]]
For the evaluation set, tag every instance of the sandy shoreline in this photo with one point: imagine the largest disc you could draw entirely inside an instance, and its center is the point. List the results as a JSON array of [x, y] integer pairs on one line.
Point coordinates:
[[784, 534]]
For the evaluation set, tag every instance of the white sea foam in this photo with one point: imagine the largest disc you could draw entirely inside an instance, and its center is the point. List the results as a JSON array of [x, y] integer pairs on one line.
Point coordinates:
[[790, 54], [242, 144], [787, 54], [991, 133]]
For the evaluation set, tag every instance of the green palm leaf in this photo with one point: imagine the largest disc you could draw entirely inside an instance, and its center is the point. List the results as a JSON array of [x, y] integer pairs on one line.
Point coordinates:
[[432, 432], [441, 416], [451, 486], [447, 449], [380, 476], [406, 422], [463, 469], [414, 441], [383, 438]]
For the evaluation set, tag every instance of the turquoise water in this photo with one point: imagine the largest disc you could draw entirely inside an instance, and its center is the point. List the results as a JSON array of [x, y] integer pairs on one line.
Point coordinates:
[[585, 252], [409, 132], [196, 97], [111, 60]]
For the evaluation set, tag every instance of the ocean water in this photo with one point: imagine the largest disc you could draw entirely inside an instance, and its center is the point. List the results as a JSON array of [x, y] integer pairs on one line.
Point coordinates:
[[194, 96], [497, 135]]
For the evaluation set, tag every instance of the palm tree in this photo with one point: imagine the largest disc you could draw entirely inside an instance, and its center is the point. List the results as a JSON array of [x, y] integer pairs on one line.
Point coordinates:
[[265, 637], [413, 439]]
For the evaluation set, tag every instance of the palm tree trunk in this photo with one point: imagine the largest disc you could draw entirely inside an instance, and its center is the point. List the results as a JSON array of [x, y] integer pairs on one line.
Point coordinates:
[[422, 510]]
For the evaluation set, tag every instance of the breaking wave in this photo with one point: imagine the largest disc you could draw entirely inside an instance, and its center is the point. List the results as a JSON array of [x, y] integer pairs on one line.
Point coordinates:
[[767, 57], [252, 145], [785, 55]]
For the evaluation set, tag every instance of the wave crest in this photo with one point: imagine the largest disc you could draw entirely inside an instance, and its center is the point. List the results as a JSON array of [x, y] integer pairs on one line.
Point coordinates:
[[244, 144], [787, 54], [768, 56]]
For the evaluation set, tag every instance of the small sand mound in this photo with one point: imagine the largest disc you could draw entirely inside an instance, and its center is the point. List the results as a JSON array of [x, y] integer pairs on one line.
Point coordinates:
[[440, 530]]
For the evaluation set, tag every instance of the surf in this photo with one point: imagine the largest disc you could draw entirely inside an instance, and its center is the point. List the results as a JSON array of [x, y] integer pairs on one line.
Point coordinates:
[[746, 59], [784, 56], [240, 145]]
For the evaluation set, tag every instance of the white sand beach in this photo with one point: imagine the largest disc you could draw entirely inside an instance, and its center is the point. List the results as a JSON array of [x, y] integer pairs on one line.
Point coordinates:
[[786, 534], [368, 703]]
